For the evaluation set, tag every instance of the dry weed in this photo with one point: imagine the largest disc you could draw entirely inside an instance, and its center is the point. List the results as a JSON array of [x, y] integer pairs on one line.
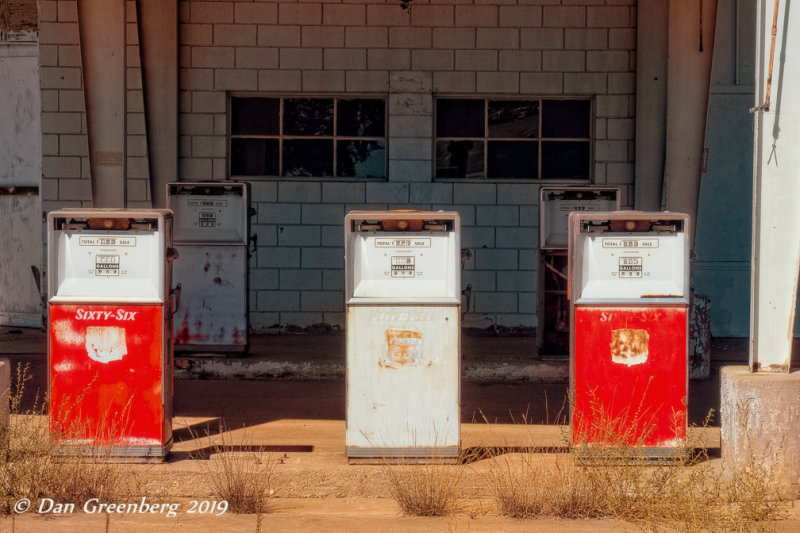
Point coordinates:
[[240, 473], [425, 489], [32, 467], [678, 491]]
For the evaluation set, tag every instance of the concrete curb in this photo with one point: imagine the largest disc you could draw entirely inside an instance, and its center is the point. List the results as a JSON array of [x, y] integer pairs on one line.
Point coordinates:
[[205, 367]]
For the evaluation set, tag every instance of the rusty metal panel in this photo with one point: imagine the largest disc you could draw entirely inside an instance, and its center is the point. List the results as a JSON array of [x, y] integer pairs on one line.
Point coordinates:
[[403, 383], [212, 310], [19, 20], [20, 260], [700, 337], [212, 232]]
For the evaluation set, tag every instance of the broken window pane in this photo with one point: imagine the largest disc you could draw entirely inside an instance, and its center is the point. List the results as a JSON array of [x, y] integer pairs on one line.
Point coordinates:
[[361, 159], [459, 159], [255, 116], [308, 157], [361, 118], [459, 118], [254, 157], [513, 159], [515, 118], [565, 160], [308, 116]]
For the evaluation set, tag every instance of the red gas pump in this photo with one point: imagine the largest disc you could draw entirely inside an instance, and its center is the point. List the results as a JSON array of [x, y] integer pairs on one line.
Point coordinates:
[[629, 296], [110, 339]]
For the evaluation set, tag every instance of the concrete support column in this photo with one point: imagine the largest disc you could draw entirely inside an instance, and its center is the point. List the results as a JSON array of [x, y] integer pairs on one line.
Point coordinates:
[[691, 47], [102, 34], [158, 41], [651, 102], [776, 190], [760, 414]]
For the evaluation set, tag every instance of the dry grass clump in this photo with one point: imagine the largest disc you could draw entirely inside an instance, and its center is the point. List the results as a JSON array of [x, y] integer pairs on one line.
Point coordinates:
[[32, 467], [425, 489], [241, 473], [526, 487], [677, 491]]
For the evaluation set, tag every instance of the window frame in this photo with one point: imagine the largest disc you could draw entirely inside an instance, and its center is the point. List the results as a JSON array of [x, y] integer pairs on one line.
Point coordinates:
[[280, 136], [487, 138]]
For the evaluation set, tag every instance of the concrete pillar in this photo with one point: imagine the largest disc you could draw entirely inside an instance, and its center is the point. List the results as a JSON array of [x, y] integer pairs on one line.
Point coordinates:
[[651, 102], [776, 189], [102, 34], [158, 41], [691, 47], [760, 414]]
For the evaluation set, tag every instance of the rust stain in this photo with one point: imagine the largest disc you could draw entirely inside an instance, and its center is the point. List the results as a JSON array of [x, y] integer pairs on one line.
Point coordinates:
[[218, 281], [403, 347], [205, 268], [629, 346]]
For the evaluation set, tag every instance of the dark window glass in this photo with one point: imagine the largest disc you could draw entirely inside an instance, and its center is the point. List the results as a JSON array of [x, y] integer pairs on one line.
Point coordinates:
[[308, 116], [307, 157], [255, 116], [459, 159], [254, 157], [565, 160], [459, 118], [566, 118], [513, 119], [361, 159], [361, 118], [513, 159]]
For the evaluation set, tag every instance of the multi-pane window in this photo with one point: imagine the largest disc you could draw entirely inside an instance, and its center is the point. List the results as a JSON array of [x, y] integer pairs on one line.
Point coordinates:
[[314, 137], [513, 139]]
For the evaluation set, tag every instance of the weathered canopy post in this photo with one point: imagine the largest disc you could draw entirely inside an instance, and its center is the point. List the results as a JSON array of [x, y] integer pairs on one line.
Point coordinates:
[[760, 411]]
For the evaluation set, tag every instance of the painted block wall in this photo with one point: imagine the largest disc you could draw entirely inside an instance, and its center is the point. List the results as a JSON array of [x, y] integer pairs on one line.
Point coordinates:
[[526, 48], [66, 177]]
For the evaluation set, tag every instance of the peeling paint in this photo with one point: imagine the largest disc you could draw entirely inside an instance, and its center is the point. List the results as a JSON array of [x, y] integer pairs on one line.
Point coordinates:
[[403, 348], [629, 346]]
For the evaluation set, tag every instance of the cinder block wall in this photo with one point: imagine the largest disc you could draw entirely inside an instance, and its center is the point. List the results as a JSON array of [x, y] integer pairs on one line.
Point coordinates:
[[66, 176], [530, 48]]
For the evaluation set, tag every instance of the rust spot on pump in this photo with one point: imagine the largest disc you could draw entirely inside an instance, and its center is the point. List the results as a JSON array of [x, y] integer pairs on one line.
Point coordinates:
[[403, 347], [629, 346]]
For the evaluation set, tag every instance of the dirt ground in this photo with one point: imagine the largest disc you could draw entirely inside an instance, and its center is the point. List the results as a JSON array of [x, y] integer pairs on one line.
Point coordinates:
[[302, 425]]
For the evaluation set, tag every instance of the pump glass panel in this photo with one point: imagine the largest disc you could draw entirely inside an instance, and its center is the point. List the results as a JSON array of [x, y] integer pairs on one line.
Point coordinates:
[[403, 264], [209, 214], [108, 264], [631, 266]]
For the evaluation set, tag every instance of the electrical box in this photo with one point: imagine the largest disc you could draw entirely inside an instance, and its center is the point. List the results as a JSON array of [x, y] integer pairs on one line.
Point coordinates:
[[212, 237], [110, 329], [403, 335], [629, 295]]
